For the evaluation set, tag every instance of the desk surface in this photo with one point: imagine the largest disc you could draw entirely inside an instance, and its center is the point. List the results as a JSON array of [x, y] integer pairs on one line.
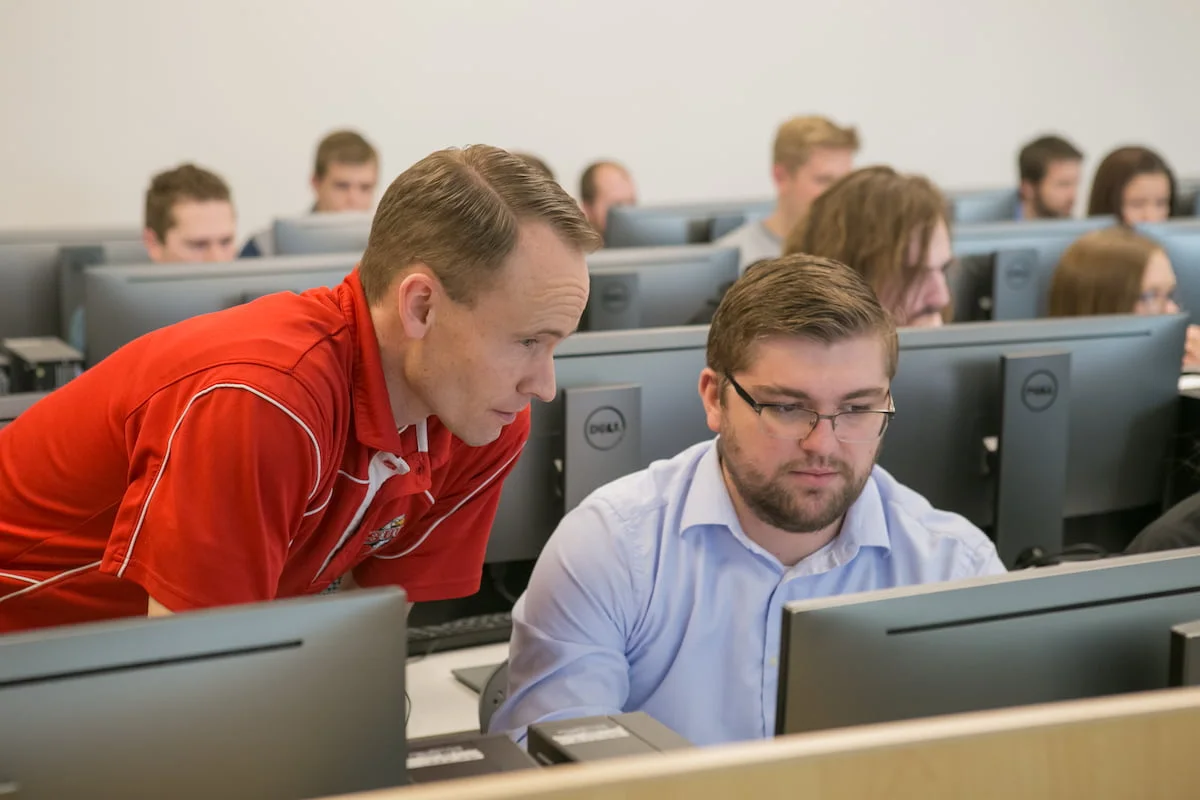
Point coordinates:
[[440, 704]]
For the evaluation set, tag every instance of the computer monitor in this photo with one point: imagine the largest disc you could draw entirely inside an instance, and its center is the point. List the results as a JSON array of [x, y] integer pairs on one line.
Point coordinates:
[[73, 261], [288, 699], [124, 302], [1034, 636], [1081, 411], [66, 236], [1187, 197], [653, 287], [330, 232], [1029, 253], [983, 205], [1180, 239], [30, 298], [13, 405], [625, 398], [1185, 654], [685, 223]]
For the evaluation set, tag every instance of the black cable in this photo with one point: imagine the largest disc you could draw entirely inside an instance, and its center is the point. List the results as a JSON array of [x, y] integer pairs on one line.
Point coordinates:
[[496, 571]]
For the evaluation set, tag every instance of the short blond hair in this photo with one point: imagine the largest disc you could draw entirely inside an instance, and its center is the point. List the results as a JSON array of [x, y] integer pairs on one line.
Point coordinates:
[[799, 136], [458, 212]]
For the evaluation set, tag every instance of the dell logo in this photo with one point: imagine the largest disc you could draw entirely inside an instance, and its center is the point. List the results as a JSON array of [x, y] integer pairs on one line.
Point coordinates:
[[1039, 391], [604, 428], [614, 296], [1017, 275]]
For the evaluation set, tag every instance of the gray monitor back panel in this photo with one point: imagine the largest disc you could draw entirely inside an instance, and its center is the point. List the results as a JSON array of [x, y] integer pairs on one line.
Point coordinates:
[[1047, 238], [65, 236], [1181, 241], [672, 284], [970, 207], [125, 302], [73, 262], [1124, 403], [657, 369], [30, 296], [29, 290], [312, 234], [288, 699], [685, 223], [1034, 636]]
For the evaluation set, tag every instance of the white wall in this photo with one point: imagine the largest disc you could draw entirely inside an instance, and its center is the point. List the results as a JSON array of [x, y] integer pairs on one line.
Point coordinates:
[[96, 95]]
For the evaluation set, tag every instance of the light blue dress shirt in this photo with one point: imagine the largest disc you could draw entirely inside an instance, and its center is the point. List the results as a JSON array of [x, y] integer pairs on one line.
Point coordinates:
[[650, 597]]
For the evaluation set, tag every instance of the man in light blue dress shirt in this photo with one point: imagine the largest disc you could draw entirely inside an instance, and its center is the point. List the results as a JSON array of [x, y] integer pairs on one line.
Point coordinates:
[[662, 591]]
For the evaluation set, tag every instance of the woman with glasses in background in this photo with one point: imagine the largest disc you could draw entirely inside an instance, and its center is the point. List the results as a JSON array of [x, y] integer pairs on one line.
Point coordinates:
[[1118, 271]]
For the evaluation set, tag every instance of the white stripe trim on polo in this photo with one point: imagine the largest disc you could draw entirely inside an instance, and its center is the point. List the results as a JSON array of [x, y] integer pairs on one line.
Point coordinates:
[[137, 529], [51, 579]]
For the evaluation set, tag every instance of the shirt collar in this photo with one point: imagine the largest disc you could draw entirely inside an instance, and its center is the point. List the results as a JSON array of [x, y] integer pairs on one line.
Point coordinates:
[[708, 503], [374, 423]]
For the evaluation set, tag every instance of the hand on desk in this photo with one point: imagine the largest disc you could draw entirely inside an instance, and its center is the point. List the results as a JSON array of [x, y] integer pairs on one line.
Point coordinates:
[[1191, 350]]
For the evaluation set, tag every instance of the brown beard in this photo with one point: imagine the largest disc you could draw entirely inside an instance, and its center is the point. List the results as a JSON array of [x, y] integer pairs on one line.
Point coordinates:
[[774, 504]]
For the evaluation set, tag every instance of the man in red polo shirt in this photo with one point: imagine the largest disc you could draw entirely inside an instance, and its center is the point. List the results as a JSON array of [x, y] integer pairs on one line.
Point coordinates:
[[359, 433]]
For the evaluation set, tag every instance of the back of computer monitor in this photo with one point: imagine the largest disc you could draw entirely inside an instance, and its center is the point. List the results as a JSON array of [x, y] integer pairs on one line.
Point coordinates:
[[312, 234], [124, 303], [656, 287], [13, 405], [987, 205], [1180, 239], [29, 290], [68, 236], [685, 223], [1048, 239], [625, 398], [995, 286], [73, 261], [1035, 636], [1123, 406], [289, 699]]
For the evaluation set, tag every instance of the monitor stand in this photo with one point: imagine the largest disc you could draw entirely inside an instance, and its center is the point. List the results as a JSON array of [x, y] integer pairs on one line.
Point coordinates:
[[1031, 479]]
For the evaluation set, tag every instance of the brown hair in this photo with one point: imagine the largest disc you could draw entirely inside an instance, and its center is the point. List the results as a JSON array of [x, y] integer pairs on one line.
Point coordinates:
[[343, 147], [1101, 273], [799, 136], [587, 181], [795, 296], [1116, 171], [537, 163], [1035, 158], [867, 220], [169, 188], [458, 212]]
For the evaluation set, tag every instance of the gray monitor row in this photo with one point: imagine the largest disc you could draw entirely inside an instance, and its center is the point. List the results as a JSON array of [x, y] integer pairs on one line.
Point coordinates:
[[1045, 635], [630, 288], [969, 433], [32, 274], [1006, 269]]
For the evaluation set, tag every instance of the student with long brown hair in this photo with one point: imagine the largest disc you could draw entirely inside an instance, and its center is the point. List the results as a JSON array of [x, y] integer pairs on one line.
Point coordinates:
[[1133, 184], [1117, 271], [890, 228]]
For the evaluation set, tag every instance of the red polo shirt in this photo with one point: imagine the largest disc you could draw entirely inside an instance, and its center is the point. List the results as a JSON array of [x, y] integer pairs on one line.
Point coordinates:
[[235, 457]]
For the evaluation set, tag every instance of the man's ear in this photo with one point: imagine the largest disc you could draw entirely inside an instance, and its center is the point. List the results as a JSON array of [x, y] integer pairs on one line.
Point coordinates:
[[780, 174], [710, 395], [152, 244], [1025, 190], [415, 295]]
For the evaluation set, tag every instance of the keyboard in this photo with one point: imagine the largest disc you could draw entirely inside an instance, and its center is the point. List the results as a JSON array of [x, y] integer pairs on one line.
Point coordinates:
[[460, 633]]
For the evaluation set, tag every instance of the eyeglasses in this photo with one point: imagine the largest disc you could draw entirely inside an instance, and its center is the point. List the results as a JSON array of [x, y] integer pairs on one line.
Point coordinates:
[[794, 422], [1157, 302]]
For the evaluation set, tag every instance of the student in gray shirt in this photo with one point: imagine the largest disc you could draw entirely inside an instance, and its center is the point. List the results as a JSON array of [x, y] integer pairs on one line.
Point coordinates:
[[811, 153]]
